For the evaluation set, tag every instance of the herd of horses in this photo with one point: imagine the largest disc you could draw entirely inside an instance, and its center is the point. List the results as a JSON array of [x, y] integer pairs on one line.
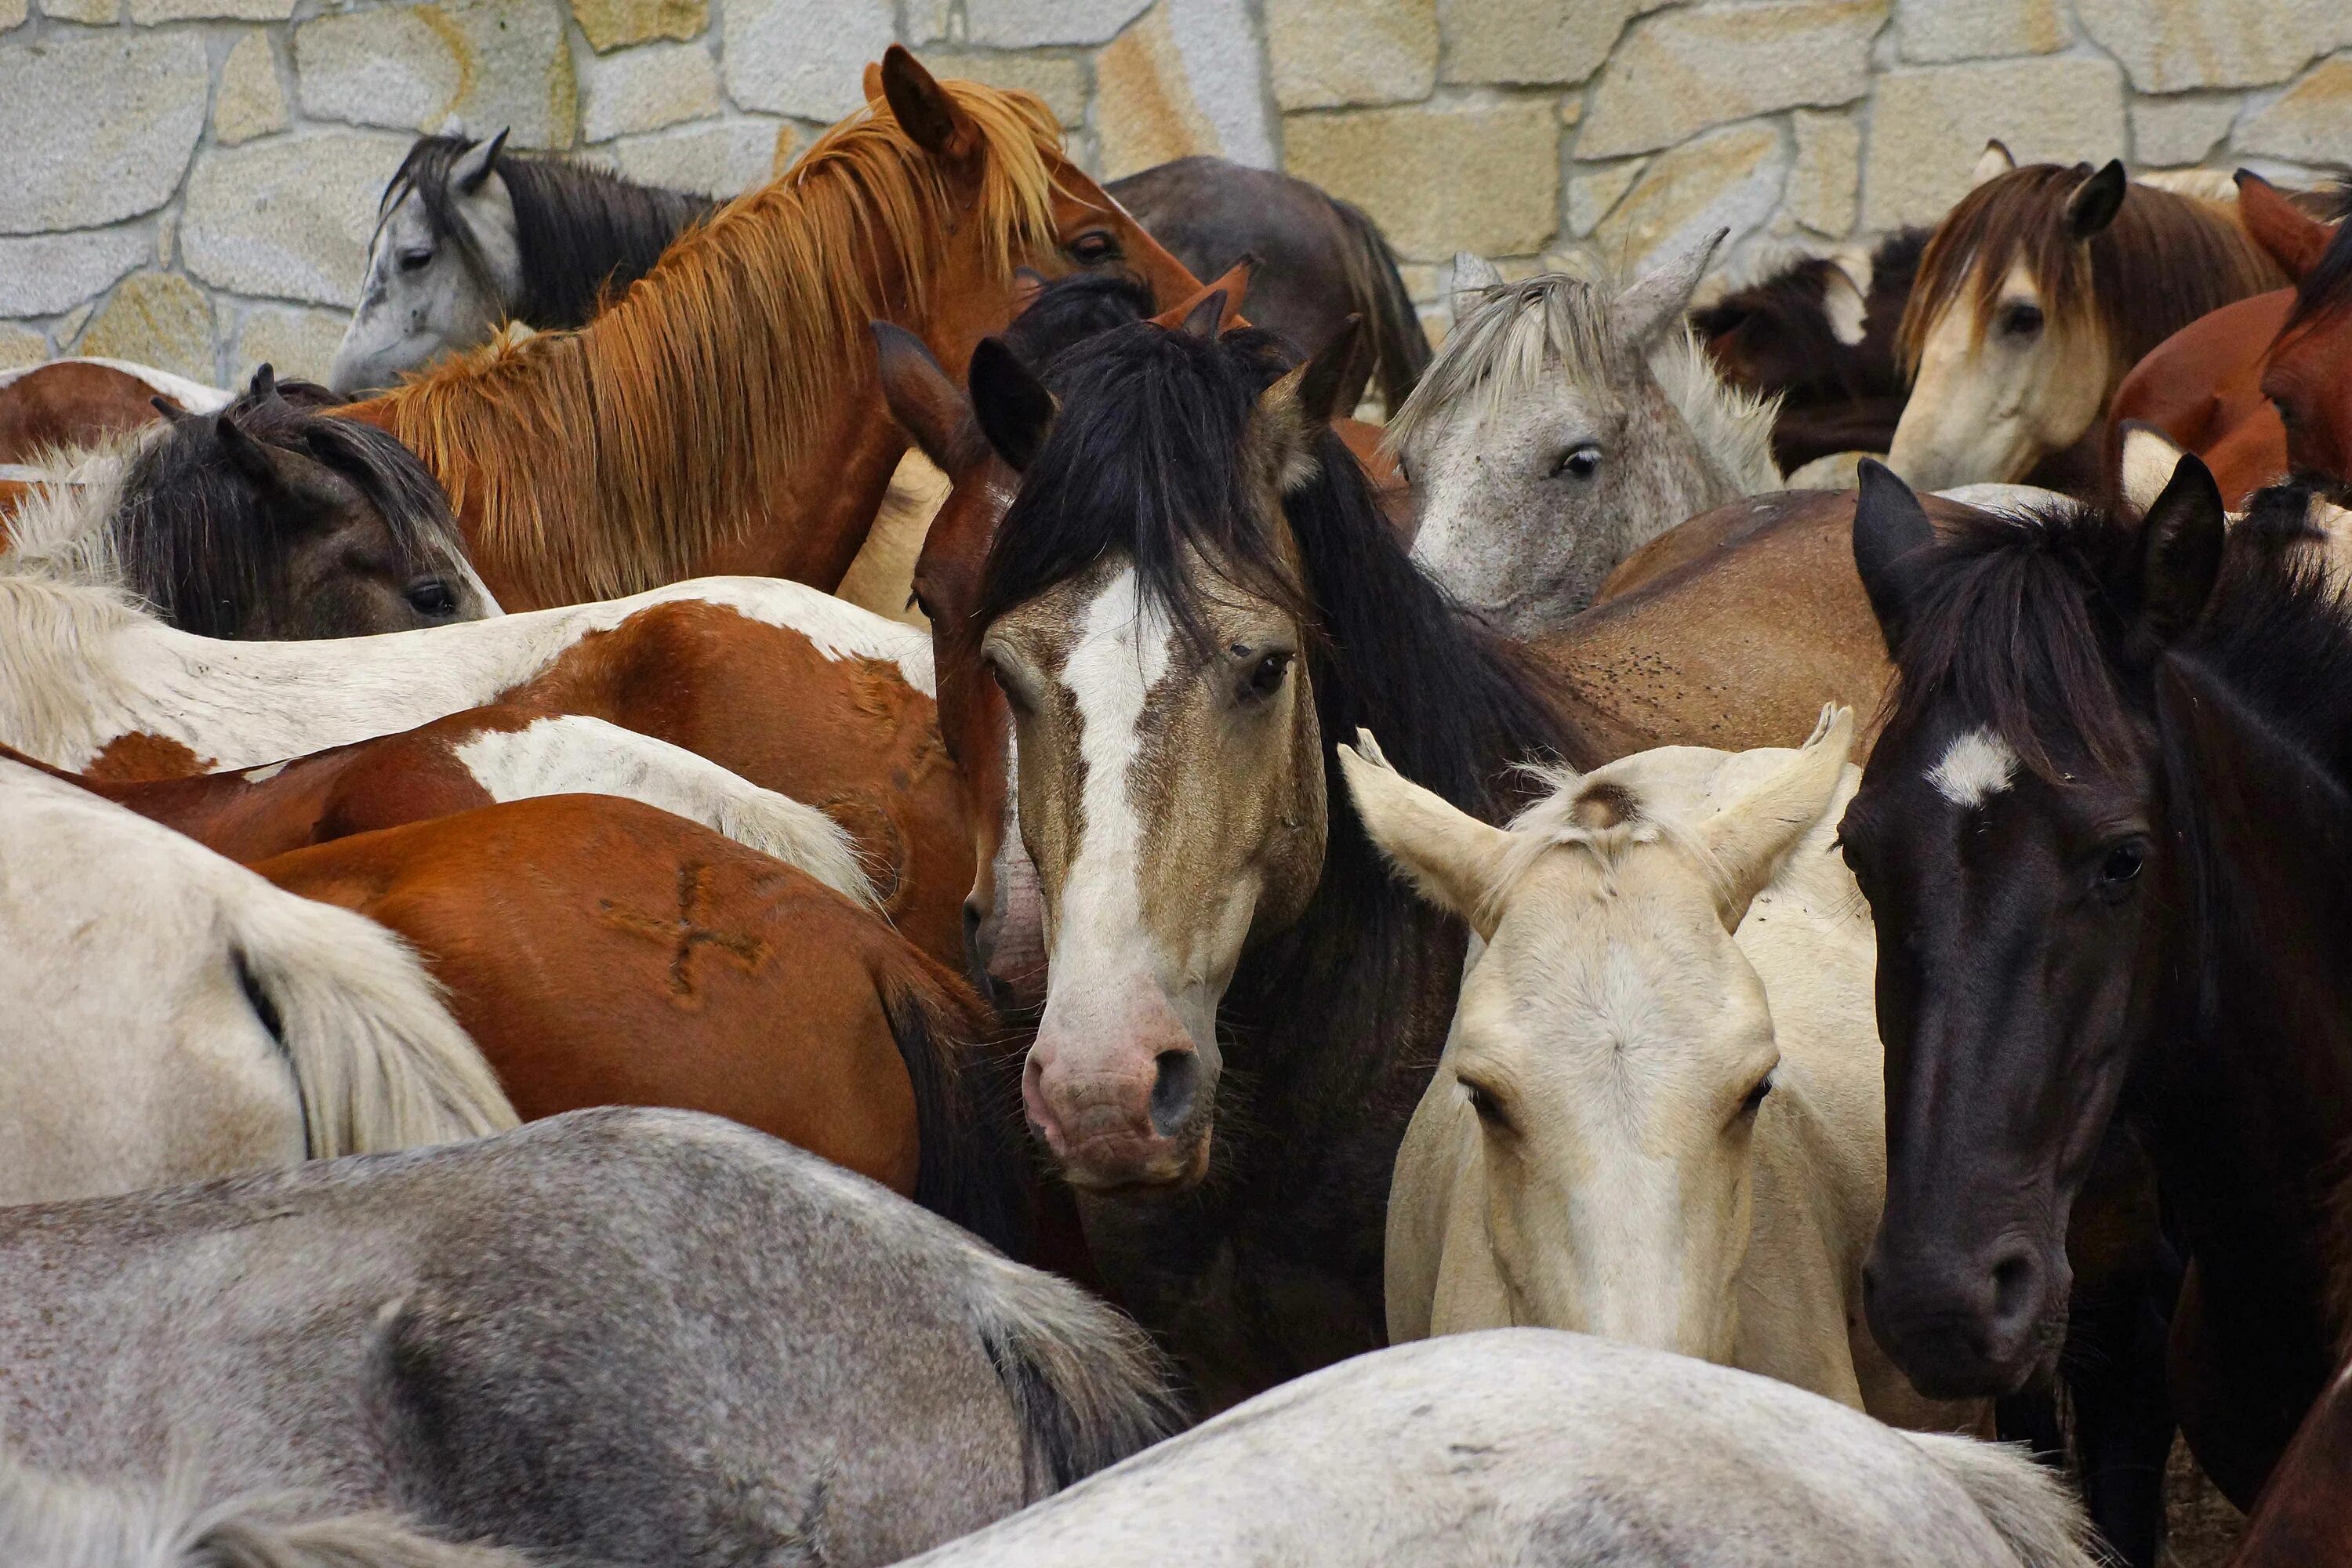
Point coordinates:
[[1625, 966]]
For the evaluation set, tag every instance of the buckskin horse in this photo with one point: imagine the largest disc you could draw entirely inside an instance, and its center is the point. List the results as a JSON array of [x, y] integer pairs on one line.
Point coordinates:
[[723, 416]]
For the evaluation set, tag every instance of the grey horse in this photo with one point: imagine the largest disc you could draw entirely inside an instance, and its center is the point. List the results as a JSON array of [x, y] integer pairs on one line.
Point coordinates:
[[619, 1336]]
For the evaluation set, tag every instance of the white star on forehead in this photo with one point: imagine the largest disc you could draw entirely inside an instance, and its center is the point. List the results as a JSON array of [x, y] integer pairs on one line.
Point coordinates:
[[1978, 766]]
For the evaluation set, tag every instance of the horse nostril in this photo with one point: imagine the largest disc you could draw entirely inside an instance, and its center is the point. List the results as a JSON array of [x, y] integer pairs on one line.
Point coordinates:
[[2012, 1287], [1174, 1090]]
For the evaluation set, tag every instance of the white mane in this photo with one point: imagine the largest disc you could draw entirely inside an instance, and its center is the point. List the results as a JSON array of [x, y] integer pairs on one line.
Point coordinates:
[[61, 528], [1734, 427]]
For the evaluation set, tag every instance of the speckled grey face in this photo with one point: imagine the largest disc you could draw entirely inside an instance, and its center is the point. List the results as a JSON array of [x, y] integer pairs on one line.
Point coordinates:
[[432, 291]]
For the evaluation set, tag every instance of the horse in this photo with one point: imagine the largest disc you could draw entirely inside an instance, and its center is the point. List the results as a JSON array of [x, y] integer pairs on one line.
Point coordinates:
[[602, 952], [172, 1015], [1320, 261], [1819, 333], [261, 521], [1556, 431], [2303, 380], [1642, 1127], [2035, 295], [620, 1335], [70, 403], [790, 688], [469, 236], [2301, 1517], [2105, 782], [479, 757], [722, 415], [1531, 1446]]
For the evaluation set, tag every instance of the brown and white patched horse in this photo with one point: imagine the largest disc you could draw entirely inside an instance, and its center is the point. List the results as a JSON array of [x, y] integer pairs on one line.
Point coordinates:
[[2035, 296], [724, 415]]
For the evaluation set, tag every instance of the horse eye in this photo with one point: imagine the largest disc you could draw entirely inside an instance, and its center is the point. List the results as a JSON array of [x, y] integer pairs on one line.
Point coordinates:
[[2020, 321], [414, 260], [1265, 677], [1754, 1102], [2123, 863], [1582, 463], [2285, 412], [1093, 247], [433, 598], [1489, 1109]]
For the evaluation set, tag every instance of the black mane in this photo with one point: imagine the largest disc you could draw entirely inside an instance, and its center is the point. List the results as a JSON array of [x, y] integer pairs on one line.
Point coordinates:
[[1072, 309], [582, 232], [2326, 288], [2025, 622], [197, 540]]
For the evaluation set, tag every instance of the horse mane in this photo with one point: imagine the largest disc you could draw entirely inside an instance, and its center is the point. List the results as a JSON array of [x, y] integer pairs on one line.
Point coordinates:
[[1072, 309], [1733, 426], [2165, 260], [2326, 290], [2024, 620], [583, 231], [611, 460]]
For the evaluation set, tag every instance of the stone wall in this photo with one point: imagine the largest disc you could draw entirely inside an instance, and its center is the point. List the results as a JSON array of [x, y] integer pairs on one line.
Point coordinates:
[[192, 183]]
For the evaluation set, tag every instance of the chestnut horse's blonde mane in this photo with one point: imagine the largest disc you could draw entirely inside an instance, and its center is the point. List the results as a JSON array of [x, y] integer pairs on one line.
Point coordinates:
[[610, 460]]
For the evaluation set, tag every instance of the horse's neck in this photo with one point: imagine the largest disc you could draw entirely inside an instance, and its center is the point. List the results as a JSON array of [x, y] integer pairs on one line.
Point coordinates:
[[814, 524]]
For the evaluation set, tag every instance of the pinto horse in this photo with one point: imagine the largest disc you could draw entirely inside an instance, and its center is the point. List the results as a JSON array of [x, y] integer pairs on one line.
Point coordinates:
[[74, 403], [603, 952], [723, 417], [2035, 296], [2102, 840]]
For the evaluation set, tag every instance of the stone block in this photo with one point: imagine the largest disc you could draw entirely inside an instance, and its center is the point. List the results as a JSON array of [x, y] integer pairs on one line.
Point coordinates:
[[615, 24], [1438, 179], [1822, 182], [1184, 80], [21, 346], [2170, 46], [12, 15], [1019, 24], [1932, 32], [294, 342], [485, 63], [1928, 126], [723, 158], [155, 318], [1059, 79], [1684, 70], [42, 274], [1592, 192], [1529, 42], [647, 88], [805, 57], [1329, 54], [1729, 178], [97, 12], [147, 12], [97, 128], [249, 103], [2311, 122], [2167, 131], [289, 218]]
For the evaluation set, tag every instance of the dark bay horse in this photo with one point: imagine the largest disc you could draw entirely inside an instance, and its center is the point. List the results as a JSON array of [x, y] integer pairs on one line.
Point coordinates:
[[2105, 841]]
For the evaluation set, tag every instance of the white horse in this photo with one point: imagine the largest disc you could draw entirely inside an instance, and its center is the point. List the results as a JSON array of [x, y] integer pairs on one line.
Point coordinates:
[[1645, 1126], [1529, 1446], [1558, 430], [166, 1015]]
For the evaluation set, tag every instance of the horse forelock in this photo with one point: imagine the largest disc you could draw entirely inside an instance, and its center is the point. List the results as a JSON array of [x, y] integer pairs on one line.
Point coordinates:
[[611, 460], [1507, 341], [2165, 260], [2021, 623]]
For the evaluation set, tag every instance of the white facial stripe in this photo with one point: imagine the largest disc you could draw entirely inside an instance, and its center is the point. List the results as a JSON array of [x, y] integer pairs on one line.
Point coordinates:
[[1123, 649], [1978, 765]]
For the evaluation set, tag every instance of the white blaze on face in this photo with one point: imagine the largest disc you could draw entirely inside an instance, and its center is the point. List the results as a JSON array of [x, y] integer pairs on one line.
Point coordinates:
[[1978, 765]]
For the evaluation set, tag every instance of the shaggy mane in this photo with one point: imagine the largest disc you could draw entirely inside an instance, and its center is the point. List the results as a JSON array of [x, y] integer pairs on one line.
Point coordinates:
[[609, 460]]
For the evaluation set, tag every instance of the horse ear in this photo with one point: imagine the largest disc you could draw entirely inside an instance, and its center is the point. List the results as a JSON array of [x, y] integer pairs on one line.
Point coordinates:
[[2180, 545], [1207, 314], [1455, 861], [871, 80], [1013, 407], [1994, 162], [2294, 239], [1843, 305], [2096, 200], [924, 399], [2148, 459], [172, 412], [264, 383], [1473, 272], [1233, 283], [1660, 296], [923, 109], [249, 456], [1301, 405], [474, 164], [1751, 839], [1889, 523]]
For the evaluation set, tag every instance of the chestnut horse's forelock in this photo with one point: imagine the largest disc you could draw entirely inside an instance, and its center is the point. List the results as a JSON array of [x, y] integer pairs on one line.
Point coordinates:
[[610, 460], [2165, 260]]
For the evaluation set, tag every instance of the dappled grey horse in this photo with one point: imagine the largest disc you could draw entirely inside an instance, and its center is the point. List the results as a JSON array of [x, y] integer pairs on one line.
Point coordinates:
[[634, 1336]]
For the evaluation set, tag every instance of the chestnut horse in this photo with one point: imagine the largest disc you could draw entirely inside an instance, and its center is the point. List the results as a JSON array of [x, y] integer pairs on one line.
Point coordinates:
[[603, 952], [74, 403], [787, 686], [2035, 296], [723, 416]]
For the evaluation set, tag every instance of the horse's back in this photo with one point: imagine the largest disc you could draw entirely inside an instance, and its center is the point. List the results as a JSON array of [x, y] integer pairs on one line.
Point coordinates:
[[79, 403], [2202, 387]]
